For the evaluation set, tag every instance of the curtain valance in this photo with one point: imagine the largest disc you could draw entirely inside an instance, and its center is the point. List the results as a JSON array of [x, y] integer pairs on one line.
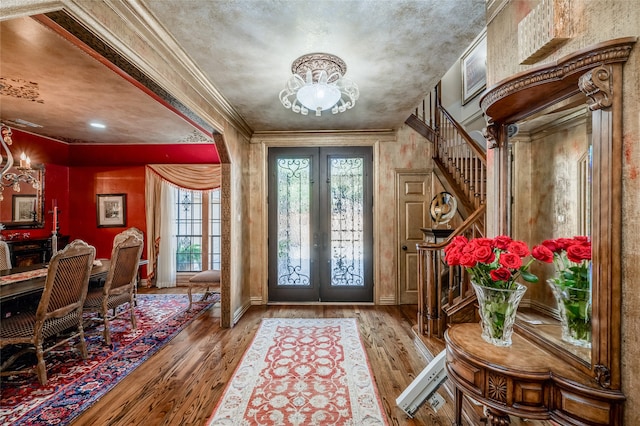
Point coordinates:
[[195, 177]]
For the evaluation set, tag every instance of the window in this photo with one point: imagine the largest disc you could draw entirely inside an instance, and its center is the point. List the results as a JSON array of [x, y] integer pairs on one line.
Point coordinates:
[[215, 225], [197, 230]]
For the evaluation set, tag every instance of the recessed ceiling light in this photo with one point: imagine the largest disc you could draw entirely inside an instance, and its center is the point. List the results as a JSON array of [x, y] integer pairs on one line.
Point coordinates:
[[98, 125], [22, 123]]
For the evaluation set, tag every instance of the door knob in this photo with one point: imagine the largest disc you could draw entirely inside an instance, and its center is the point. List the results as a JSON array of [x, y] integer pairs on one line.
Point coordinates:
[[404, 248]]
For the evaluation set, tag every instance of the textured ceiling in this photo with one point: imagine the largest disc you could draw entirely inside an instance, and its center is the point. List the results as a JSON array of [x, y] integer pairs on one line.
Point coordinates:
[[396, 51], [46, 80]]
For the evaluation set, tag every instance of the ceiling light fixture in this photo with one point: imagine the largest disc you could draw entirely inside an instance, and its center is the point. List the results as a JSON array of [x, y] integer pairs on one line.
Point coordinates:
[[7, 176], [317, 84], [97, 125]]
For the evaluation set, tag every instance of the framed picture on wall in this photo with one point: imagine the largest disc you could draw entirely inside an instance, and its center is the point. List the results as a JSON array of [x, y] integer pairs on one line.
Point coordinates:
[[111, 210], [474, 69], [23, 208]]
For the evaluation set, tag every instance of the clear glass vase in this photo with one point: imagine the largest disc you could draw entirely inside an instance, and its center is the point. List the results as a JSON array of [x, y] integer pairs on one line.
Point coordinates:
[[574, 306], [498, 309]]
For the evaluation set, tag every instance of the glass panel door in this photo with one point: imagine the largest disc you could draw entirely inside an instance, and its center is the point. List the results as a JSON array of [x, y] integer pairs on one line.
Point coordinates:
[[320, 224]]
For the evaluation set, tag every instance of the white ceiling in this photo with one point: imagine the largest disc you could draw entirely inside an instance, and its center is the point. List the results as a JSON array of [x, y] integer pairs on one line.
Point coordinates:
[[396, 51]]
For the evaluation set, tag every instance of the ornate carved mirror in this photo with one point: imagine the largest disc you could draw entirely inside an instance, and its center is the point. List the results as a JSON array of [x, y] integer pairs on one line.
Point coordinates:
[[24, 208], [561, 125], [550, 186]]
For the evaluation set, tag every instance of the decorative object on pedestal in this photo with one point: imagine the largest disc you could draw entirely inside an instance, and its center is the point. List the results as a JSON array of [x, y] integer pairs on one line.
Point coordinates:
[[572, 287], [443, 208], [495, 265]]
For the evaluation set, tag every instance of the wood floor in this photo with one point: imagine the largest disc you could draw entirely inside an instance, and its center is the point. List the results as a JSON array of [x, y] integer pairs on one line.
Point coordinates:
[[181, 383]]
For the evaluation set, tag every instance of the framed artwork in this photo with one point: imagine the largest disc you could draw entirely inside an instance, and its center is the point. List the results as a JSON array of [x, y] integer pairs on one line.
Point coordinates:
[[23, 208], [474, 69], [111, 210]]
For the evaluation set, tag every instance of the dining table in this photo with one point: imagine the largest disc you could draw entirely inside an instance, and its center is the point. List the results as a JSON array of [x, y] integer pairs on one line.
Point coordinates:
[[22, 281]]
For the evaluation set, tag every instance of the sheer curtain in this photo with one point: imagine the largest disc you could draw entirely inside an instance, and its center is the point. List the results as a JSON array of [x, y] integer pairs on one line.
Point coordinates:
[[166, 271], [194, 177]]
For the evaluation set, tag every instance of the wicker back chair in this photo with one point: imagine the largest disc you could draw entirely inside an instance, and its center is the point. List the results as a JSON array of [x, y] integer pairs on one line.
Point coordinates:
[[119, 286], [5, 256], [59, 309]]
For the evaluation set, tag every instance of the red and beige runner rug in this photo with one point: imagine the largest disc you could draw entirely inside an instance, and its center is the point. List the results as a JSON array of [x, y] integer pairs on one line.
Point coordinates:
[[302, 372]]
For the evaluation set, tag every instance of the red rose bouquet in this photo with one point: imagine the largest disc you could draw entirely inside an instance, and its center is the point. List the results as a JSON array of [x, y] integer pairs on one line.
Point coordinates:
[[496, 262], [572, 287], [572, 260]]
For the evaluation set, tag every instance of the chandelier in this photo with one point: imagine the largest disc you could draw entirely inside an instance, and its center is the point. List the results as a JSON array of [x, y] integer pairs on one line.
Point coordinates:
[[317, 84], [9, 178]]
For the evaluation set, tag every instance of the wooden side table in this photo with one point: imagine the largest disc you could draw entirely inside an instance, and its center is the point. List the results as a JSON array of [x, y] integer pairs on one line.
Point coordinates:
[[524, 380]]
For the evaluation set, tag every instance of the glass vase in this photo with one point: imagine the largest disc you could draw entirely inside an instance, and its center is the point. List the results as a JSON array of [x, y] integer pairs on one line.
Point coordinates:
[[498, 309], [574, 306]]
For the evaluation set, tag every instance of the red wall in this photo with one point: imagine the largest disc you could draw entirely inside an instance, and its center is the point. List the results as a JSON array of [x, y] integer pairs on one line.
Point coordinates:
[[89, 181], [74, 174]]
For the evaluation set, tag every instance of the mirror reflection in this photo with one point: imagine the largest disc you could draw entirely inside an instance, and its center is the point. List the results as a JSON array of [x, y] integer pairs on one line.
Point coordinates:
[[23, 208], [550, 187]]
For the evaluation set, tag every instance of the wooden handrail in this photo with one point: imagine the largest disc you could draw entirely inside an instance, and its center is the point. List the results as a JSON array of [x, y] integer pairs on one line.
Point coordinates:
[[462, 164], [464, 226], [435, 280], [477, 149]]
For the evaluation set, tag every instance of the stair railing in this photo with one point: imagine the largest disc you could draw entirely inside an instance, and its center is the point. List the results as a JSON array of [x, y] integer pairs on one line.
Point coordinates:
[[464, 161], [445, 291], [460, 158]]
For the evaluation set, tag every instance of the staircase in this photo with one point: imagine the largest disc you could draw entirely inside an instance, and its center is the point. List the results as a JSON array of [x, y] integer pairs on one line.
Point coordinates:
[[445, 295]]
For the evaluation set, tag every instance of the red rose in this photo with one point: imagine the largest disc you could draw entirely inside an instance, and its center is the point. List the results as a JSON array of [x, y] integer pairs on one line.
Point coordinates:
[[564, 243], [469, 248], [518, 247], [459, 241], [484, 242], [542, 253], [468, 260], [500, 274], [582, 239], [452, 257], [551, 245], [578, 252], [484, 254], [510, 260], [502, 242]]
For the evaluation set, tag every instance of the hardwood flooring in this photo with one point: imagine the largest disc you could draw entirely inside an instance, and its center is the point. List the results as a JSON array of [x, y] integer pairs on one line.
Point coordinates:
[[181, 383]]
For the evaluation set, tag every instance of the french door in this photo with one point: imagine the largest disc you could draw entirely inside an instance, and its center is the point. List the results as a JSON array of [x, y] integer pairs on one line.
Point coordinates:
[[320, 224]]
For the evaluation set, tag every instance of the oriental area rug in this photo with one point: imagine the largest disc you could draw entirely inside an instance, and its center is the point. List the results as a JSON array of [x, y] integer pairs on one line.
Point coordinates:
[[302, 372], [75, 384]]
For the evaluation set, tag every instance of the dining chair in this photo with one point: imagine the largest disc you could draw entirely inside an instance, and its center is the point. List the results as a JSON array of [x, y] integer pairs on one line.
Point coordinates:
[[59, 311], [119, 286], [5, 255]]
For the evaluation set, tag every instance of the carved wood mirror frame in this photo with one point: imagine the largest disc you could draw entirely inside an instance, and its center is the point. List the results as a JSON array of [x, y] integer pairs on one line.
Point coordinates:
[[26, 189], [597, 73]]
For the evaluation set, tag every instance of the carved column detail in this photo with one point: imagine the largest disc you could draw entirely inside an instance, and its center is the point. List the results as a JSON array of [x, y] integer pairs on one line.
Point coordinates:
[[491, 133], [497, 418], [597, 84], [603, 376]]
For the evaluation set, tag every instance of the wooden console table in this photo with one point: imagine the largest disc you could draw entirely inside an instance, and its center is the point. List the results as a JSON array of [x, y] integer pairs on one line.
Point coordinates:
[[34, 250], [524, 380]]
